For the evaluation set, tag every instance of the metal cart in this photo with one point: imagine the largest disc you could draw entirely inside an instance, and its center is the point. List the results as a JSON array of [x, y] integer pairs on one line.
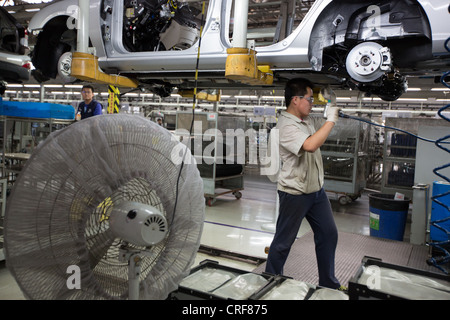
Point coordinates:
[[344, 156], [399, 153], [217, 161]]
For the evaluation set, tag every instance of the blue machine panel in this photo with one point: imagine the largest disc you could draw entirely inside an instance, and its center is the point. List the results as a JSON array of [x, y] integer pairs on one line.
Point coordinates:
[[41, 110]]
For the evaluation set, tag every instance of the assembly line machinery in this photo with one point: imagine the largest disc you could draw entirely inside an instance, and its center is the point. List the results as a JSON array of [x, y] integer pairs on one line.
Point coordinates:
[[400, 152], [23, 126], [21, 135]]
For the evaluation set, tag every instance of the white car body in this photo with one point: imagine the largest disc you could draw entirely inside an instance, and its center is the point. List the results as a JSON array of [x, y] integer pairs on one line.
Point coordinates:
[[14, 68], [17, 59], [15, 64], [301, 52]]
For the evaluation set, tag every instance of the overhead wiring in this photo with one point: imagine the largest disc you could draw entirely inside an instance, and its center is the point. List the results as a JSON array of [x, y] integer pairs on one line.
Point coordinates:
[[343, 115], [194, 104]]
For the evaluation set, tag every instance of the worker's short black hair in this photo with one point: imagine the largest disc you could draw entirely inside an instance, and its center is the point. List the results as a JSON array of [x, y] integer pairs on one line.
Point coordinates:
[[296, 87], [88, 86]]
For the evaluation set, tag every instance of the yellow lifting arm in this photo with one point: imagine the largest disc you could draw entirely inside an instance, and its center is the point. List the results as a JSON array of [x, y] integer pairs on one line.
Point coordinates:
[[202, 95], [85, 67], [241, 66]]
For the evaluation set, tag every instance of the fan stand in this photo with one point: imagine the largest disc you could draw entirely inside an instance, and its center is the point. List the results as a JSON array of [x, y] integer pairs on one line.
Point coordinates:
[[139, 224], [134, 258]]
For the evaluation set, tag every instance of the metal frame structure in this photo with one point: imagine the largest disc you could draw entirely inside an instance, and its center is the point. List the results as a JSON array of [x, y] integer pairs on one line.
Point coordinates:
[[347, 146], [207, 134]]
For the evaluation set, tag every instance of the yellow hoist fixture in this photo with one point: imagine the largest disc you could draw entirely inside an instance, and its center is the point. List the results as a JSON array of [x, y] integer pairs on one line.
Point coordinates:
[[202, 95], [319, 99], [85, 67], [241, 66]]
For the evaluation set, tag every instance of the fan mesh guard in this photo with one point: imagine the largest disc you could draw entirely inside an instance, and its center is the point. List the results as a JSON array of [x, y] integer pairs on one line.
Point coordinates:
[[57, 215]]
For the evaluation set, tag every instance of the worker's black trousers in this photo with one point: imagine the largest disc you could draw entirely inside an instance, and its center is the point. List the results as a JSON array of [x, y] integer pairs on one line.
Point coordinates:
[[316, 208]]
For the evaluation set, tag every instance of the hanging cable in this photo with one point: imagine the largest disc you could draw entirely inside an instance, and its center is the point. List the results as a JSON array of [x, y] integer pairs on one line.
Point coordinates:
[[343, 115], [194, 104]]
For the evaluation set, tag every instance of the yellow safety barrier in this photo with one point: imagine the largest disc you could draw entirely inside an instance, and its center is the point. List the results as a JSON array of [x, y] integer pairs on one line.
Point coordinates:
[[113, 99]]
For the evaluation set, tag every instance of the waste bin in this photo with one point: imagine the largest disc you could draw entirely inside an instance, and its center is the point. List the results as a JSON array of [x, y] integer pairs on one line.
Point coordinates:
[[387, 216]]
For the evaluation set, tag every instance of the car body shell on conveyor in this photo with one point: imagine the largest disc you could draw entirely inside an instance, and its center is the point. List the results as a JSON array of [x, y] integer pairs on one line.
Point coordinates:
[[332, 44]]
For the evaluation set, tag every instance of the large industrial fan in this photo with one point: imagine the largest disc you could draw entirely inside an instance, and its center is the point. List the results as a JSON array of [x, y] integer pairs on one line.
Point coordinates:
[[105, 209]]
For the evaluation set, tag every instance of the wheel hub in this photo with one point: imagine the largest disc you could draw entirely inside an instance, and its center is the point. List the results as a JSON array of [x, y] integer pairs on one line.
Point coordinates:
[[368, 61]]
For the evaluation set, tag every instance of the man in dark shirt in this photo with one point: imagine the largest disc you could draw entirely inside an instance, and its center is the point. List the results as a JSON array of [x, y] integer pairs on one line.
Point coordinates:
[[89, 107]]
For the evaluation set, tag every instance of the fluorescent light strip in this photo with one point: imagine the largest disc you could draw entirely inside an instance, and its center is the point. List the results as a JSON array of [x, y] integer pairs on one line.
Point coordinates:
[[272, 97], [370, 99], [246, 97], [343, 98], [411, 99]]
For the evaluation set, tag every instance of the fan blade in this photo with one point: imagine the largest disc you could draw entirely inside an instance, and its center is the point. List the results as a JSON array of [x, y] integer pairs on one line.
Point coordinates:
[[98, 246]]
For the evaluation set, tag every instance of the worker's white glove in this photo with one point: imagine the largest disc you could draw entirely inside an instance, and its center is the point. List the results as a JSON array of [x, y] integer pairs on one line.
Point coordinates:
[[328, 94], [332, 113]]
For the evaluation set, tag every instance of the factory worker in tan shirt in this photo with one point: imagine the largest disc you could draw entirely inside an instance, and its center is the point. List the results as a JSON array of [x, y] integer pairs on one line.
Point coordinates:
[[300, 183]]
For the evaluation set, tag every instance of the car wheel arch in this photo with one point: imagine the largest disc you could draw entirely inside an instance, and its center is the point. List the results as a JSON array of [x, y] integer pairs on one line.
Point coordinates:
[[347, 27], [51, 44]]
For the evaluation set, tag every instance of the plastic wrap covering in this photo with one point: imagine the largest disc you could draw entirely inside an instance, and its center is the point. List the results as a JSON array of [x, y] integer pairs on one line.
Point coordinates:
[[405, 284], [224, 284], [57, 215], [241, 287], [328, 294], [288, 290], [207, 279]]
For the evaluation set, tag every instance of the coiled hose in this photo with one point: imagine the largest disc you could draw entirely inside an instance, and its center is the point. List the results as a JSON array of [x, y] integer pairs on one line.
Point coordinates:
[[442, 245]]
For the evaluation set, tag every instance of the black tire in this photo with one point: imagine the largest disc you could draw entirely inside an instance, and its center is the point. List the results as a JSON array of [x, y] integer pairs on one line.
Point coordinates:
[[2, 87], [50, 47]]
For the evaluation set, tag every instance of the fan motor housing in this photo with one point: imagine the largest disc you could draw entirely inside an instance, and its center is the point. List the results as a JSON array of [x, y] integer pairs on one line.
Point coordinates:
[[138, 223]]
